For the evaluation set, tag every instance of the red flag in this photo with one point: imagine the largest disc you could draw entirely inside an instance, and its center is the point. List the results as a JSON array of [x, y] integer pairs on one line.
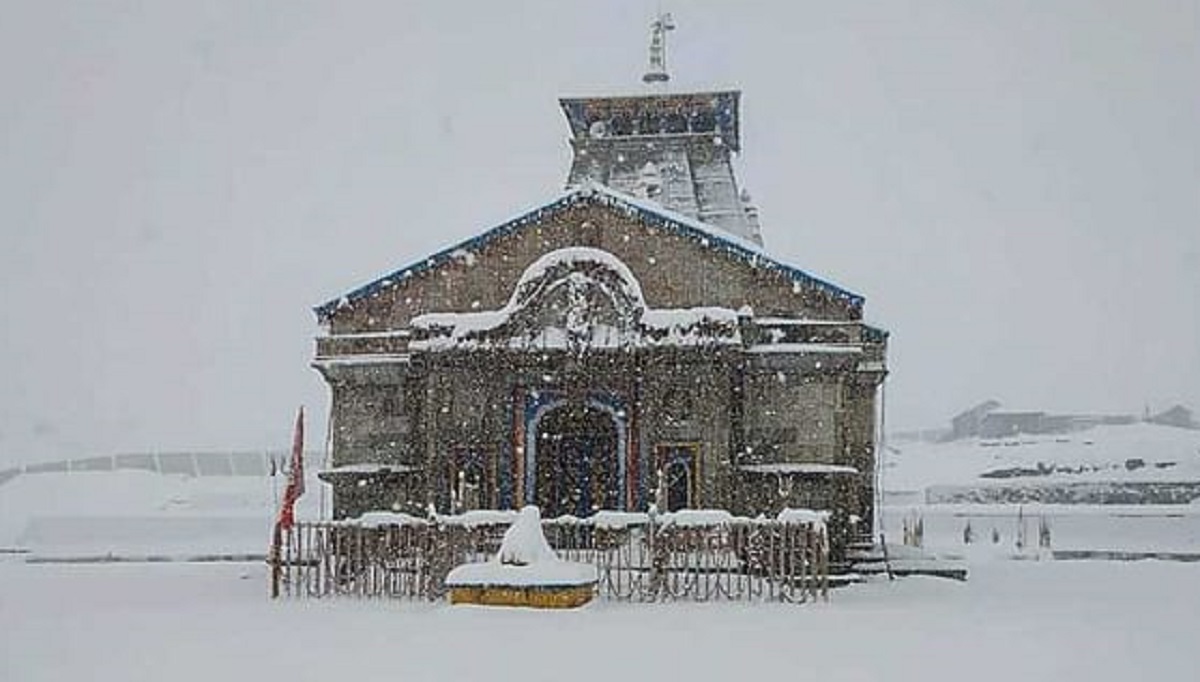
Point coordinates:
[[295, 483]]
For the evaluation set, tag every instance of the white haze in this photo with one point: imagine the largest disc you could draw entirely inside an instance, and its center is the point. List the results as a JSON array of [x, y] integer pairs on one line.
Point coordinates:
[[1014, 186]]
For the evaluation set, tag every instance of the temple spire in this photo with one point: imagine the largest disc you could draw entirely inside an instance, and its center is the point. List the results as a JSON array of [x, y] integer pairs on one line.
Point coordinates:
[[657, 70]]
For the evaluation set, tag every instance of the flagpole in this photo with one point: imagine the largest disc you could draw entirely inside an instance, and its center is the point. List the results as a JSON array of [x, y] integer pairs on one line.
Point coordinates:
[[285, 520]]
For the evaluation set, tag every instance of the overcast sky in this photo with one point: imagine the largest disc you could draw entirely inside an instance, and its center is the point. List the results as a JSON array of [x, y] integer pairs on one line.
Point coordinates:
[[1013, 185]]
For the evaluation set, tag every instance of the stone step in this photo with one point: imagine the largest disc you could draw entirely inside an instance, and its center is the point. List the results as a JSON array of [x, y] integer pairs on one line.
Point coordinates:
[[908, 569]]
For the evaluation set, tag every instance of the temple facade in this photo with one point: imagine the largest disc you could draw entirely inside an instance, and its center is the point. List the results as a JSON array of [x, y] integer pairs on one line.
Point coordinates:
[[628, 343]]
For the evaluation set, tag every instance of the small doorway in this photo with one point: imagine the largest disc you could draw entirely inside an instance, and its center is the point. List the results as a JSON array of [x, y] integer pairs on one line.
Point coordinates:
[[676, 466]]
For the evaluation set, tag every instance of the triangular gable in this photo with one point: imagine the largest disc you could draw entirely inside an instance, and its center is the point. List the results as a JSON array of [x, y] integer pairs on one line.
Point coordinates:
[[647, 211]]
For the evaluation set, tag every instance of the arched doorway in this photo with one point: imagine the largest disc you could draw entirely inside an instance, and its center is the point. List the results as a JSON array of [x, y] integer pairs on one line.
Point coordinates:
[[577, 463]]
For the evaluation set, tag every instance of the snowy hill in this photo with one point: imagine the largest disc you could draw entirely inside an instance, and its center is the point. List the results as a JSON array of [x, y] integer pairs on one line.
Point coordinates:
[[1112, 463]]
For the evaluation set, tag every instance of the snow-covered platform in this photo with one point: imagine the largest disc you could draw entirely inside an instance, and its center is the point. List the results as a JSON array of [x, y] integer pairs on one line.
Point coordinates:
[[525, 572]]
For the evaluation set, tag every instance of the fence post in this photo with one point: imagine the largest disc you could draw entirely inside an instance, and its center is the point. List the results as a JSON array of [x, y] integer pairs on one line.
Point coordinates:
[[276, 541]]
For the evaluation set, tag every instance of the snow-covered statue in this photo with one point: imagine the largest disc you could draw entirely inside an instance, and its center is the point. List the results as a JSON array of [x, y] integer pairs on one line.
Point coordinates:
[[525, 572]]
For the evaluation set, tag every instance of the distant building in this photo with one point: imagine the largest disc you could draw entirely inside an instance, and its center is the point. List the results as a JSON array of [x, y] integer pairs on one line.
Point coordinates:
[[968, 423], [987, 420], [1178, 416], [1001, 424]]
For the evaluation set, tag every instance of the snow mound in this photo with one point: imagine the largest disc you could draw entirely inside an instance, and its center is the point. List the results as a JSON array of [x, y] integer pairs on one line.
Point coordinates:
[[525, 559], [524, 543]]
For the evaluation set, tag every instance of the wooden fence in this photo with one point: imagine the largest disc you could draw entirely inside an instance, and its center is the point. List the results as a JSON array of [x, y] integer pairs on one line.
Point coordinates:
[[742, 560]]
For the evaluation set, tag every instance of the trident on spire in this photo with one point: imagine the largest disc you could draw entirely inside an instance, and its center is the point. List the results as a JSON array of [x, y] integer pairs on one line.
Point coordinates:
[[657, 73]]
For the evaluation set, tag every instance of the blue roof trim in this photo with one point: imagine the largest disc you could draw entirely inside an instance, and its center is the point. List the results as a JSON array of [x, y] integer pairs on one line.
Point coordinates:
[[663, 218]]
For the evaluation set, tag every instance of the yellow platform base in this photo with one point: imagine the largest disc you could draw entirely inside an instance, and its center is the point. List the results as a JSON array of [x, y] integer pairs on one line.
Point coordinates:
[[543, 597]]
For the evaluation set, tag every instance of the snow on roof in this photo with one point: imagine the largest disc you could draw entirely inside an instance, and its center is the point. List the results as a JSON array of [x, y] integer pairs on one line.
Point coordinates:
[[797, 468], [647, 211]]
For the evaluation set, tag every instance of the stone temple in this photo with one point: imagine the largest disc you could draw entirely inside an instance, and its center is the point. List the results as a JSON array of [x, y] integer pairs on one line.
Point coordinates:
[[628, 343]]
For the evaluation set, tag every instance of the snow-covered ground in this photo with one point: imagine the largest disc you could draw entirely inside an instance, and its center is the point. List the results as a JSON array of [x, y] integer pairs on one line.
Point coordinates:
[[1117, 528], [142, 513], [917, 474], [1027, 621], [1036, 619]]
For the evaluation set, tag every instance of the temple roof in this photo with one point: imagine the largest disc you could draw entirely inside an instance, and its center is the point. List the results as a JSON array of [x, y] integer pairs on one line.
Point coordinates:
[[645, 210]]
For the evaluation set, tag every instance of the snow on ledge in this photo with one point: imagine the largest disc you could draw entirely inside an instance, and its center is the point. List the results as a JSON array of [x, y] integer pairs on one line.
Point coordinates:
[[838, 348], [640, 326], [479, 517], [817, 519], [607, 520], [797, 468], [803, 516], [801, 321], [368, 469], [694, 518], [616, 520], [384, 519], [362, 359]]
